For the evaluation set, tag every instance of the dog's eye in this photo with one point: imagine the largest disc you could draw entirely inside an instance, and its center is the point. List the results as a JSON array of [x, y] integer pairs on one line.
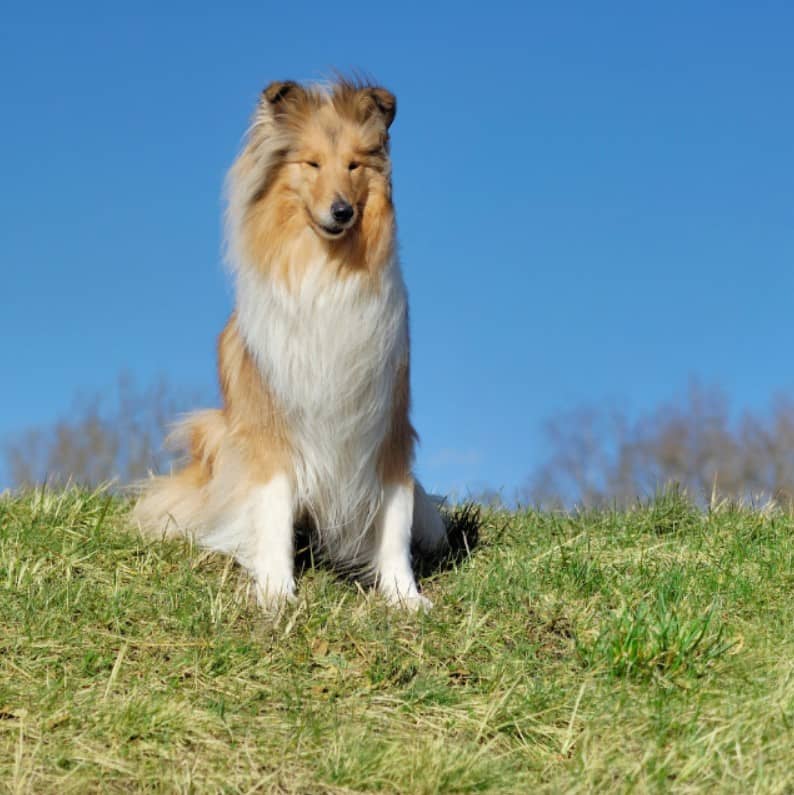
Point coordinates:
[[353, 166], [312, 164]]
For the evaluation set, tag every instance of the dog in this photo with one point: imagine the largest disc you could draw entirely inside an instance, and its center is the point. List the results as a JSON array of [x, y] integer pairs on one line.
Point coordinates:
[[313, 362]]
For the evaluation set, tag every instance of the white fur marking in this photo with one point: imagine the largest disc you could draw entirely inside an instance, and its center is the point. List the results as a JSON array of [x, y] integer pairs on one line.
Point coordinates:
[[393, 552], [330, 349], [271, 516]]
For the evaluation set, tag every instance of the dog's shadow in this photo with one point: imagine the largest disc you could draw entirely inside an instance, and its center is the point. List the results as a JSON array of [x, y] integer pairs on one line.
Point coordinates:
[[462, 522]]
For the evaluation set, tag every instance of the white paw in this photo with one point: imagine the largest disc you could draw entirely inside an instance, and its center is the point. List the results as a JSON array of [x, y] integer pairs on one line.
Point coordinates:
[[271, 595], [416, 604], [412, 601]]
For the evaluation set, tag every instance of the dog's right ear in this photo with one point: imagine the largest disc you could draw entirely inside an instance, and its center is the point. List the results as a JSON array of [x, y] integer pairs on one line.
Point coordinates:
[[277, 103], [280, 97], [279, 90]]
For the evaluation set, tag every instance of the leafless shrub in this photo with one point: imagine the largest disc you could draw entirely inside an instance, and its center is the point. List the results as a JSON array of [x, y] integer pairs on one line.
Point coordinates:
[[598, 456], [115, 437], [603, 456]]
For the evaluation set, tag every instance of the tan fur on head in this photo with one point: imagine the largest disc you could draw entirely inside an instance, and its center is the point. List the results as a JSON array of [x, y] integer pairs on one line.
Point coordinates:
[[306, 149], [314, 362]]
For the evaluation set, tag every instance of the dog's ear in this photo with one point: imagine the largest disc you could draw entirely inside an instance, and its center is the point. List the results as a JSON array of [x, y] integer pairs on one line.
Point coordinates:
[[280, 97], [377, 100], [279, 90]]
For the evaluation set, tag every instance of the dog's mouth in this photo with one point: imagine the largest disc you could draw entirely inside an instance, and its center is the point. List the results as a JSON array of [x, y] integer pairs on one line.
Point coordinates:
[[332, 231]]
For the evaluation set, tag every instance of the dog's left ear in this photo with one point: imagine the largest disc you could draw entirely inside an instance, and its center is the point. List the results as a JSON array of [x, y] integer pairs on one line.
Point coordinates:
[[379, 100]]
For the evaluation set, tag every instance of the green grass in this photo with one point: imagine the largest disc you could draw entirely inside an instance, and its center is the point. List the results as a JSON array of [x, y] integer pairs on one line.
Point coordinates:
[[642, 651]]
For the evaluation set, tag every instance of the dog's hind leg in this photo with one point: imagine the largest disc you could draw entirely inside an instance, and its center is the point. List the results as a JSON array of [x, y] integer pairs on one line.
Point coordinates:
[[428, 530], [171, 505]]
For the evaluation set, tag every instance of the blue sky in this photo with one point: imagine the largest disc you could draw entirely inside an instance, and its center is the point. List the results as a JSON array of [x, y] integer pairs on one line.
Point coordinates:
[[595, 200]]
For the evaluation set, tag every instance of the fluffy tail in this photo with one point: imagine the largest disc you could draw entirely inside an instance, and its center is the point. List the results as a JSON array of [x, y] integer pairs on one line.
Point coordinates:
[[176, 504]]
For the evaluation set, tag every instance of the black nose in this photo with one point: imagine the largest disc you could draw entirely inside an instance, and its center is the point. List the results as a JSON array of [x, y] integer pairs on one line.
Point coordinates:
[[341, 211]]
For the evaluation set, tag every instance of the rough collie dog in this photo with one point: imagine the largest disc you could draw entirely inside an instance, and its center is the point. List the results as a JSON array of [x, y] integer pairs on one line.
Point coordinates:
[[314, 361]]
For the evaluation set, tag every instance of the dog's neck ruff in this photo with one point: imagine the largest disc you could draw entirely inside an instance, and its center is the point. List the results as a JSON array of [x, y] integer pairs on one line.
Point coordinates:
[[329, 350]]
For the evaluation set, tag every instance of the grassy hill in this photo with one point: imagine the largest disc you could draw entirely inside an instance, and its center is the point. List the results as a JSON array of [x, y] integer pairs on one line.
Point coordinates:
[[649, 650]]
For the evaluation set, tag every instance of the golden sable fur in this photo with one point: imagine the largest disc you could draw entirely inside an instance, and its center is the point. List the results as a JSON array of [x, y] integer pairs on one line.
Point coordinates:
[[314, 362]]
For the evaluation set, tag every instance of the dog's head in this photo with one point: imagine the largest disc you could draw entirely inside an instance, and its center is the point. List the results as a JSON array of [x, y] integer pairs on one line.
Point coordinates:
[[320, 152]]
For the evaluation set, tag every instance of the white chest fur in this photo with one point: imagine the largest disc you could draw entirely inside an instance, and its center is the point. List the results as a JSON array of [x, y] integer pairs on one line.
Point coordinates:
[[329, 349]]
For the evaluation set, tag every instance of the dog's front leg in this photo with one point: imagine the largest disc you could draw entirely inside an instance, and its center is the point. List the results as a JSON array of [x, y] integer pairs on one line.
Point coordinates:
[[395, 577], [273, 516]]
